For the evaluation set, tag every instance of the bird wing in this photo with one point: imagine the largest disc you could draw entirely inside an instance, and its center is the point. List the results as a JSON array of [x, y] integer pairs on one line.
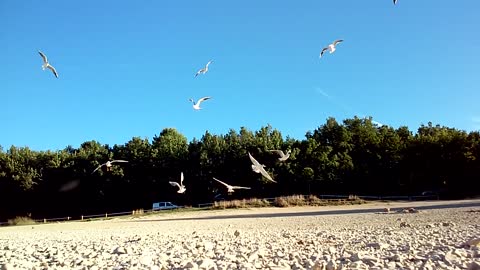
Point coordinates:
[[99, 166], [265, 173], [279, 152], [175, 184], [202, 100], [254, 161], [238, 187], [53, 70], [118, 160], [337, 41], [209, 62], [45, 60], [181, 178], [200, 71], [323, 51], [394, 2], [225, 184]]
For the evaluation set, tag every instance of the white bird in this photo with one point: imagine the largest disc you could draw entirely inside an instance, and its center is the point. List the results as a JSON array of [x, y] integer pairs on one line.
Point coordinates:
[[196, 105], [203, 70], [331, 47], [230, 188], [181, 187], [283, 156], [258, 168], [108, 164], [47, 65]]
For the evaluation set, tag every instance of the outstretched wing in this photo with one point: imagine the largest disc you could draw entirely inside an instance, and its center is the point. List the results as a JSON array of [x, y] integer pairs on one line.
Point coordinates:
[[337, 41], [118, 160], [279, 152], [394, 2], [45, 60], [265, 173], [238, 187], [99, 166], [225, 184], [253, 160], [175, 184], [199, 71], [202, 100], [323, 51], [181, 178], [53, 70]]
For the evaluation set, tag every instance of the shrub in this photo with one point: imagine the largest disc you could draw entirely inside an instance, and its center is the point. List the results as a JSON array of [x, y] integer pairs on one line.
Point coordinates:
[[21, 221]]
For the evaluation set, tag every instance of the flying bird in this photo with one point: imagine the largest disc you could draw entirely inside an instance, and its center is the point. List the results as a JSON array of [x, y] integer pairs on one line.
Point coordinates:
[[283, 156], [108, 164], [203, 70], [258, 168], [331, 47], [47, 65], [181, 187], [230, 188], [196, 105], [394, 2]]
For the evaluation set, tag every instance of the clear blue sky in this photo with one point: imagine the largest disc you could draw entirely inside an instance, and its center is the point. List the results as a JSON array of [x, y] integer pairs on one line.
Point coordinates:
[[127, 67]]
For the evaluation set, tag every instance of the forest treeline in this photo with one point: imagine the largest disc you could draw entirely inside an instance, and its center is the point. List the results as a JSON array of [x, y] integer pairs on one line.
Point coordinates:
[[350, 157]]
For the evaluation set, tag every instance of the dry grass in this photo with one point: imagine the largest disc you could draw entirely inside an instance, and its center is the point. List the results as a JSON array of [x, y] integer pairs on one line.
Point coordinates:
[[21, 221], [137, 212], [286, 201], [241, 203]]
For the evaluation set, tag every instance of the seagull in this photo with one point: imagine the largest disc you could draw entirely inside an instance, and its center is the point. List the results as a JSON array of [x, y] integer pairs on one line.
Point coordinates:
[[181, 187], [47, 65], [196, 105], [203, 70], [282, 157], [108, 164], [258, 168], [330, 47], [230, 188]]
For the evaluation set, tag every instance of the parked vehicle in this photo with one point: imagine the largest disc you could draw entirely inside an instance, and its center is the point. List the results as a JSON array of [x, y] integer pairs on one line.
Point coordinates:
[[164, 206]]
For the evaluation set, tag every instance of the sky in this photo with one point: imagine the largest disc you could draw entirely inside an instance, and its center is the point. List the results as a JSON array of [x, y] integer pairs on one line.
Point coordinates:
[[126, 68]]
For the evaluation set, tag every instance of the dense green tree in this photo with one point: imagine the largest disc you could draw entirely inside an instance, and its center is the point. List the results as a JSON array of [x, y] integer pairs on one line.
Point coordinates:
[[355, 156]]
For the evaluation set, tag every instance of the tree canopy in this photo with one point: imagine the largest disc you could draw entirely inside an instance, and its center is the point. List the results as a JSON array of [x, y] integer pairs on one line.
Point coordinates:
[[353, 157]]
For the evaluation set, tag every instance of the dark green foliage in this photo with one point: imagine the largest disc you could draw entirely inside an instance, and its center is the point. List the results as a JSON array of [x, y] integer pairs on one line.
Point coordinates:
[[352, 157]]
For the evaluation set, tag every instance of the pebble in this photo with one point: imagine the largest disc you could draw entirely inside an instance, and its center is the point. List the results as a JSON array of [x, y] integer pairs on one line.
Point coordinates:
[[430, 239]]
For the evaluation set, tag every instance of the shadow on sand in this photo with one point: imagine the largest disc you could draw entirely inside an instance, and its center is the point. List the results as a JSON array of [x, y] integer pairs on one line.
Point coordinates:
[[314, 213]]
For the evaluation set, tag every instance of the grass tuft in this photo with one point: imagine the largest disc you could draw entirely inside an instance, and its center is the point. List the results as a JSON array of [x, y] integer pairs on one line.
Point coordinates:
[[286, 201]]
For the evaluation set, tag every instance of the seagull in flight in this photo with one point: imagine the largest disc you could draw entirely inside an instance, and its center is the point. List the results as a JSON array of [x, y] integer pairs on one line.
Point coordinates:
[[203, 70], [230, 188], [108, 164], [283, 156], [330, 47], [196, 105], [258, 168], [47, 65], [181, 187]]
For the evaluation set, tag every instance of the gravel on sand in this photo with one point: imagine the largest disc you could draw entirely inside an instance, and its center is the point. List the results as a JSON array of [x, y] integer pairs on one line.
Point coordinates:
[[344, 237]]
